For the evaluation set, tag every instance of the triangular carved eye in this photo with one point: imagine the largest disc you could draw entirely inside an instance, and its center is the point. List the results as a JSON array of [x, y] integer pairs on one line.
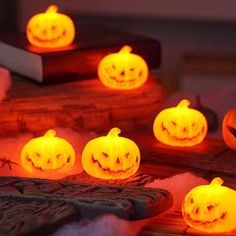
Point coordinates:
[[232, 130], [127, 154], [37, 154], [105, 154]]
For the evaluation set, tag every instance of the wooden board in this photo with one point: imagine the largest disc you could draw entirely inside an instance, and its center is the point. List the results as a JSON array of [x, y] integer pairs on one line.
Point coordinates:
[[91, 199], [37, 217], [211, 156], [79, 105], [138, 179]]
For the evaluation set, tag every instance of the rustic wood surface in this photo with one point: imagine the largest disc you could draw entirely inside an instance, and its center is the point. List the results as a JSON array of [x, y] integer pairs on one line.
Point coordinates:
[[37, 217], [211, 156], [35, 199], [79, 105], [138, 179]]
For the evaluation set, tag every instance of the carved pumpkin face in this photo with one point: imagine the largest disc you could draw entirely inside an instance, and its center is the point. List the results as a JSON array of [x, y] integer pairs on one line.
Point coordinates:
[[180, 126], [123, 70], [111, 156], [210, 208], [50, 29], [229, 128], [47, 153]]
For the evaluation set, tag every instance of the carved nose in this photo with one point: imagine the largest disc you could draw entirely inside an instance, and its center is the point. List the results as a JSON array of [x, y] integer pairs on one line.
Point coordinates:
[[118, 160], [122, 73]]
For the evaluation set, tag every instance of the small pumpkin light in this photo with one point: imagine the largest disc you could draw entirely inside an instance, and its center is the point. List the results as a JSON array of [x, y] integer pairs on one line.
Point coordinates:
[[210, 208], [180, 125], [50, 29], [229, 128], [123, 70], [47, 153], [111, 156]]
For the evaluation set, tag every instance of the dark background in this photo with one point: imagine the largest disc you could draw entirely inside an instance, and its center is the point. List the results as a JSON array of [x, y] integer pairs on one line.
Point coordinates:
[[8, 15]]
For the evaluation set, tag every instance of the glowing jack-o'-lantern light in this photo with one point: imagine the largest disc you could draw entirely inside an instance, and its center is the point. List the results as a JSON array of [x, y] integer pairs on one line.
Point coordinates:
[[111, 156], [50, 29], [180, 126], [47, 153], [229, 128], [123, 70], [210, 208]]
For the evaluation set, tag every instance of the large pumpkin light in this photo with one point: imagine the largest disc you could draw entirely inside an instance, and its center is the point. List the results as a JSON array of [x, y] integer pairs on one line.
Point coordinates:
[[229, 128], [123, 70], [180, 126], [50, 29], [111, 156], [47, 153], [210, 208]]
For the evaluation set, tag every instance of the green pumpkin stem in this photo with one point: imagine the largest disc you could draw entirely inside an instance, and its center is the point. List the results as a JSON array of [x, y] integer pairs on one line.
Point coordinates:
[[183, 103], [217, 181], [126, 49], [114, 132], [50, 133]]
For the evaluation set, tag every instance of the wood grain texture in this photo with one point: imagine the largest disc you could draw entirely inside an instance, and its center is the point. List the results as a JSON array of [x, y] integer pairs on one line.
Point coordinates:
[[138, 179], [90, 199], [211, 155], [36, 217], [79, 105]]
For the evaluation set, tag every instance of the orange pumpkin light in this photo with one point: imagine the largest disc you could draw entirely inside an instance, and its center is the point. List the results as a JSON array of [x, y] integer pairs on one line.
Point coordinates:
[[47, 153], [123, 70], [111, 156], [210, 208], [50, 29], [180, 126], [229, 128]]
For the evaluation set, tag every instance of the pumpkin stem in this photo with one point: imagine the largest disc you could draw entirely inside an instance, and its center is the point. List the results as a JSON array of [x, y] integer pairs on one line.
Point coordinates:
[[217, 181], [126, 49], [198, 101], [183, 103], [114, 132], [52, 9], [50, 133]]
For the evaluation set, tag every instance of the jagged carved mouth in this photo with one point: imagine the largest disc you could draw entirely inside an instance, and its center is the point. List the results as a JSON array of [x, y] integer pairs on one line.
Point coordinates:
[[207, 224], [232, 130], [164, 129], [40, 40], [123, 74], [121, 81], [109, 171], [41, 169]]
